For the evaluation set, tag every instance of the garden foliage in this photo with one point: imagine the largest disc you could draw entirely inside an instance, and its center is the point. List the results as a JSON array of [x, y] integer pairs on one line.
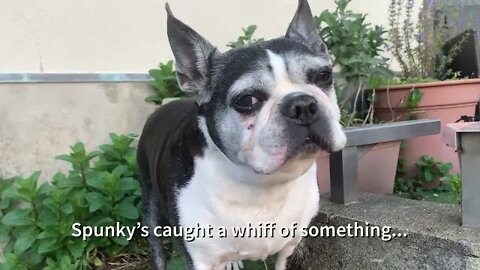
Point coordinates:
[[36, 218]]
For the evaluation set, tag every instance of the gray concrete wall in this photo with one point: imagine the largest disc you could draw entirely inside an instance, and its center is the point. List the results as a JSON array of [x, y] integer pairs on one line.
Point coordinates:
[[39, 121]]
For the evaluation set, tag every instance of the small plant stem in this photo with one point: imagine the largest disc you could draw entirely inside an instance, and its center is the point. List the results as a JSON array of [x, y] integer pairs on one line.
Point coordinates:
[[84, 178], [34, 211], [360, 89], [113, 207]]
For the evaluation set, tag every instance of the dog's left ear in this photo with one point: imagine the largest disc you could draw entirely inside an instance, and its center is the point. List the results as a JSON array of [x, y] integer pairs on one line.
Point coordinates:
[[302, 28], [192, 53]]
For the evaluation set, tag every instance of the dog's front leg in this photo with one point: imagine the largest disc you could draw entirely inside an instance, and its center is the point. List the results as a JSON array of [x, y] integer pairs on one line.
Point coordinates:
[[152, 217], [285, 252]]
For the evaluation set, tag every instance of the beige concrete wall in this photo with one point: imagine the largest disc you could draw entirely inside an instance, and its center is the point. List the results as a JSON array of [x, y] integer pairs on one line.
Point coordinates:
[[41, 121], [129, 35]]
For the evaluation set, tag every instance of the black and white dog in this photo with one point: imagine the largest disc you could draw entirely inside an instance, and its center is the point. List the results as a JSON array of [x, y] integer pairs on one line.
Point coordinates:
[[243, 151]]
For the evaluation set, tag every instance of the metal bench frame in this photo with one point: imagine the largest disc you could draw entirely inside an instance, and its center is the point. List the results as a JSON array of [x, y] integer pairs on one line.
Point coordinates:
[[343, 164]]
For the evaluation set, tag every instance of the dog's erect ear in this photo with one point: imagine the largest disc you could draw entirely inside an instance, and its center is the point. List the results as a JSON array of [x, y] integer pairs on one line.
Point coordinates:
[[192, 55], [302, 28]]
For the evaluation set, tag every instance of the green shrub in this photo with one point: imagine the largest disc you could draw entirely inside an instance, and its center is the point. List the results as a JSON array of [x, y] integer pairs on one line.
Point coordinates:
[[429, 170], [164, 83], [355, 45], [36, 219], [456, 185], [246, 38], [418, 42]]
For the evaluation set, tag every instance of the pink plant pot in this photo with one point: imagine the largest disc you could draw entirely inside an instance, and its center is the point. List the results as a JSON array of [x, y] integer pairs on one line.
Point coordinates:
[[376, 169], [446, 101]]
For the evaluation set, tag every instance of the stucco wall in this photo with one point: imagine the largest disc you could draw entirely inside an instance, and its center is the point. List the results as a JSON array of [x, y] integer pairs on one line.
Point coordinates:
[[130, 36], [40, 121]]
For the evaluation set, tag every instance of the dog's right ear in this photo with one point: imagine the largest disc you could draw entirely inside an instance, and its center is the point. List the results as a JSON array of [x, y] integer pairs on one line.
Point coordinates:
[[303, 29], [193, 54]]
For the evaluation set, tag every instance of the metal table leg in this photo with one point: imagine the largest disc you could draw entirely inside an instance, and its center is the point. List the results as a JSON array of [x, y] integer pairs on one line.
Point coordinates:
[[470, 166], [343, 175]]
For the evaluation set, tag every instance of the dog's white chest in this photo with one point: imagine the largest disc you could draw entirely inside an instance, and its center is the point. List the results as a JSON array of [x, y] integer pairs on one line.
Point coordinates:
[[262, 213]]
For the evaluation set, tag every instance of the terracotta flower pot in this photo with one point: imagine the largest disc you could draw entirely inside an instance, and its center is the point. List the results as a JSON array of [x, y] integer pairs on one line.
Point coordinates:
[[376, 169], [446, 101]]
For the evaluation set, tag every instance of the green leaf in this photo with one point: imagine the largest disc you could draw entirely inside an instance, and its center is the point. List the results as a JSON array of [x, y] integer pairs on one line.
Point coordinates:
[[67, 208], [428, 176], [77, 247], [126, 210], [4, 232], [4, 203], [96, 201], [112, 182], [48, 245], [100, 221], [18, 217], [327, 17], [45, 188], [77, 198], [119, 170], [154, 99], [445, 168], [128, 183], [61, 181], [93, 154], [49, 232], [120, 240], [66, 263], [67, 158], [27, 187], [78, 148], [96, 180], [25, 239], [47, 218], [111, 151], [12, 262]]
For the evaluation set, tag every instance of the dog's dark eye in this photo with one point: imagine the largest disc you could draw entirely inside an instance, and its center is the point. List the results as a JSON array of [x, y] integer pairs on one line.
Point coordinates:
[[246, 104], [320, 78]]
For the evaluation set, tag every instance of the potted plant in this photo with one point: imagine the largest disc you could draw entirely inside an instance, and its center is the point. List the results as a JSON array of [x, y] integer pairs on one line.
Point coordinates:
[[426, 88], [432, 182], [356, 47]]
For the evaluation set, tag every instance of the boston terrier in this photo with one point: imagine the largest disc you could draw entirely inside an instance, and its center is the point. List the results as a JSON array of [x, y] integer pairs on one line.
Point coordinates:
[[242, 151]]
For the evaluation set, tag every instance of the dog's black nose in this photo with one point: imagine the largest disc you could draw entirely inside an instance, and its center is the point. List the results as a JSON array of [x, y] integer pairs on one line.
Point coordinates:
[[301, 108]]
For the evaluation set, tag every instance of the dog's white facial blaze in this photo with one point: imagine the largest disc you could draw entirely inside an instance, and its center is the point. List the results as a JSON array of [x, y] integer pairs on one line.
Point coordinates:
[[264, 145]]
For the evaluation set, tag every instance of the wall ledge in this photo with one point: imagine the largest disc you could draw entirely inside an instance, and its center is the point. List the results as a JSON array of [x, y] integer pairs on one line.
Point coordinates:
[[72, 77]]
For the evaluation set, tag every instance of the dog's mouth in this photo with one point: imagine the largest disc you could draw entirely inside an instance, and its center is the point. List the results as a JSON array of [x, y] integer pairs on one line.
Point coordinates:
[[266, 160], [311, 144], [304, 145], [277, 158], [315, 143]]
